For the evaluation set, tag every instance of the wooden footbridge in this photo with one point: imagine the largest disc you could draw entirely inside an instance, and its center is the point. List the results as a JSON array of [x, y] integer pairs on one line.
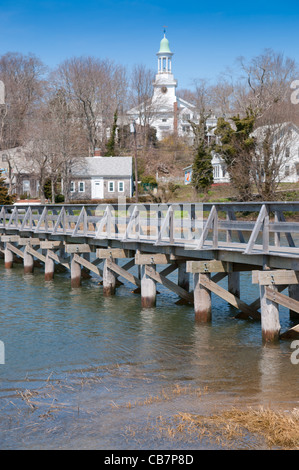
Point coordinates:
[[208, 241]]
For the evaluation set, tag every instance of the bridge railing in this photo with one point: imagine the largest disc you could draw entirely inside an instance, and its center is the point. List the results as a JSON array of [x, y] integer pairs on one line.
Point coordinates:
[[244, 226]]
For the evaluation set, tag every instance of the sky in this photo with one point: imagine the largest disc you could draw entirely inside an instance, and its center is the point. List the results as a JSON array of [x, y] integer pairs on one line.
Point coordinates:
[[206, 37]]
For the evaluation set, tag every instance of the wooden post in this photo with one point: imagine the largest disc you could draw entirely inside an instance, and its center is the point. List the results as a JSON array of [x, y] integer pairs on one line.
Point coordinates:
[[75, 273], [148, 289], [202, 298], [8, 257], [49, 268], [183, 276], [28, 262], [269, 316], [294, 294], [234, 283], [109, 280]]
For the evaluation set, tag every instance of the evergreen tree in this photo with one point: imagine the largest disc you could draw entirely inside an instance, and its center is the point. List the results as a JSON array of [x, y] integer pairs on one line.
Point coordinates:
[[5, 199], [202, 169], [110, 147]]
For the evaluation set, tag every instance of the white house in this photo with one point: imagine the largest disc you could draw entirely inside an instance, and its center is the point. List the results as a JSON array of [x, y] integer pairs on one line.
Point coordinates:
[[284, 138]]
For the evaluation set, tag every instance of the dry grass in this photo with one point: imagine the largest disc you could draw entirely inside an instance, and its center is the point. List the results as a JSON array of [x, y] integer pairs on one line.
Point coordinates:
[[277, 429]]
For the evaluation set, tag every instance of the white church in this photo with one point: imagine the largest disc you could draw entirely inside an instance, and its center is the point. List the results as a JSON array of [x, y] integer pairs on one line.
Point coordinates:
[[168, 113]]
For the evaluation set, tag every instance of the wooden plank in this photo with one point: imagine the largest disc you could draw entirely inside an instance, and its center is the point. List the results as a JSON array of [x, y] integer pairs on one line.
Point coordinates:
[[78, 248], [257, 228], [87, 264], [208, 266], [35, 253], [107, 253], [29, 241], [279, 277], [159, 258], [50, 244], [15, 250], [230, 298], [123, 273], [10, 238], [282, 299], [149, 271]]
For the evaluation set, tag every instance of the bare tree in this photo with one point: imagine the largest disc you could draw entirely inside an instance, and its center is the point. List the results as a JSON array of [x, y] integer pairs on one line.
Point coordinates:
[[96, 89], [23, 79]]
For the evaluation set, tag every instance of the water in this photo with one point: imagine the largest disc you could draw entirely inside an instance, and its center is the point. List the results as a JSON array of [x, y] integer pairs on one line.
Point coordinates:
[[87, 372]]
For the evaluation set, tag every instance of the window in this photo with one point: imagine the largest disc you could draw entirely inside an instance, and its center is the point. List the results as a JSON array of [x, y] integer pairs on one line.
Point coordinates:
[[4, 158], [287, 171], [164, 120], [111, 186], [72, 188], [121, 187], [81, 187], [288, 152], [26, 186]]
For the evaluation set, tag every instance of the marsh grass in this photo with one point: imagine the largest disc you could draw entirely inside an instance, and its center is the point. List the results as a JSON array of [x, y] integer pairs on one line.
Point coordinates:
[[276, 428]]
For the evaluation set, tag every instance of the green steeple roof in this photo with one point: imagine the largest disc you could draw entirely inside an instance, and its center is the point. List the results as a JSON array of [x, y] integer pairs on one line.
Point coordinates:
[[164, 45]]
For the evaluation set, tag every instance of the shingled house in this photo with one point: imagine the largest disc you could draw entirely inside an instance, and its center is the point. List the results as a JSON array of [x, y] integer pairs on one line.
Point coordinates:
[[102, 178]]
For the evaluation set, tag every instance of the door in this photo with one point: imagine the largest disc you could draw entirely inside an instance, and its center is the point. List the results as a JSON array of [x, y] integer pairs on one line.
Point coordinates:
[[97, 189]]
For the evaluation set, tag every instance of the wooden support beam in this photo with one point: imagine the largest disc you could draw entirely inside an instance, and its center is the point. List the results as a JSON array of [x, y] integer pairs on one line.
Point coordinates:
[[75, 273], [269, 315], [8, 257], [148, 287], [202, 298], [230, 298], [159, 258], [291, 333], [10, 238], [234, 283], [28, 261], [279, 277], [214, 266], [15, 250], [123, 273], [109, 279], [183, 277], [49, 268], [51, 244], [29, 241], [108, 253], [272, 294], [60, 260], [87, 264], [35, 253], [153, 274], [78, 248]]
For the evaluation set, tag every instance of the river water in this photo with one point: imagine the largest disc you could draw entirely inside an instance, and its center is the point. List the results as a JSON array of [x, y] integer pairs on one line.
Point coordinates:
[[87, 372]]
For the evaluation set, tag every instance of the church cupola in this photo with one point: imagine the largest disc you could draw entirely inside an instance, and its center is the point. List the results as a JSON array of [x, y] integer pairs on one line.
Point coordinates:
[[164, 56]]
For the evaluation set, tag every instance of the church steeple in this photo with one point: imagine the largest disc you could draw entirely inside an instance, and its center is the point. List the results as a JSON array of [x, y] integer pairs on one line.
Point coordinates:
[[164, 56], [165, 84]]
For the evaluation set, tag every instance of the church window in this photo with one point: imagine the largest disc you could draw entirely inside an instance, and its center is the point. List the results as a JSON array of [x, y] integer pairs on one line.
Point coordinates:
[[164, 63]]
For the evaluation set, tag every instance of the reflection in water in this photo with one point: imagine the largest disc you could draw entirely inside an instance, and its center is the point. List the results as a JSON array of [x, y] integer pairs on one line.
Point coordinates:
[[112, 369]]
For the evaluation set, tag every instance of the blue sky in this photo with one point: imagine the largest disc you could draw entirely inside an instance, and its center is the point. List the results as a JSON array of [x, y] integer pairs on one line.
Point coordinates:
[[206, 37]]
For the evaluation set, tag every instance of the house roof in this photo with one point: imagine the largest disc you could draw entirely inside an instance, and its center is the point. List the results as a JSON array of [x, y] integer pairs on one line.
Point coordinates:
[[103, 166]]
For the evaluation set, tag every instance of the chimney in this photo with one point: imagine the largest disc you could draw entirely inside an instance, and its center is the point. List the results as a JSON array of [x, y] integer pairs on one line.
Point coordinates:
[[97, 153], [175, 117]]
